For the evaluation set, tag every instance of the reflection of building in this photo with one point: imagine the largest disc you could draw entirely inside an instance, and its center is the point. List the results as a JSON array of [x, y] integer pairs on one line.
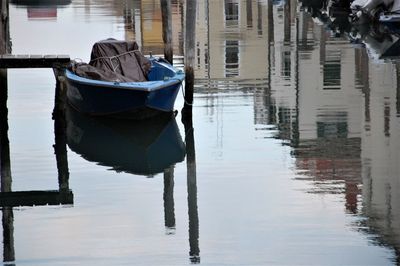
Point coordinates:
[[229, 33], [315, 103], [329, 113], [342, 121], [283, 74], [381, 154], [237, 35], [145, 25]]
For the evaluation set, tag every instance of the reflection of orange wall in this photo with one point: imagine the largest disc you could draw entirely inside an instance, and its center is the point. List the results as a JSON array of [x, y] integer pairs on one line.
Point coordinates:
[[42, 13], [151, 26], [346, 170]]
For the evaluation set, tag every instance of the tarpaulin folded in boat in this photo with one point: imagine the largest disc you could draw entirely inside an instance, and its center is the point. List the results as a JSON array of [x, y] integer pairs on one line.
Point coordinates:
[[115, 60]]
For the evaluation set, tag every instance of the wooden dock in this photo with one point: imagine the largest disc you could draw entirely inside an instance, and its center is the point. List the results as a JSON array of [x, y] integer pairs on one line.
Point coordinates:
[[34, 61]]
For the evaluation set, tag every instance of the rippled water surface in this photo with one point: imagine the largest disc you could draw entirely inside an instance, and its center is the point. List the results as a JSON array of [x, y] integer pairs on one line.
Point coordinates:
[[293, 158]]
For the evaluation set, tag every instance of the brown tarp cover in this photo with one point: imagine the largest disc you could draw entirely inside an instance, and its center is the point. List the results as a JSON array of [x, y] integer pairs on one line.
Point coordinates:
[[114, 60]]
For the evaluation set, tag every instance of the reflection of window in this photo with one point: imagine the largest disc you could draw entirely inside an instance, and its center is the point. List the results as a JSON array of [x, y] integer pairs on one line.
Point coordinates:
[[332, 70], [332, 130], [231, 12], [231, 58], [286, 67]]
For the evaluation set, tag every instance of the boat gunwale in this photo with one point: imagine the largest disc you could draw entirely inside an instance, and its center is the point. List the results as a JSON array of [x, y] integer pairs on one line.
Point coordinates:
[[146, 86]]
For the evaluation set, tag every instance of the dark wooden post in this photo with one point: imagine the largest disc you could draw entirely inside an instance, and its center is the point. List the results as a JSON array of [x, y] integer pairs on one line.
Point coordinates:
[[190, 45], [5, 165], [167, 29], [169, 205], [194, 251], [6, 179]]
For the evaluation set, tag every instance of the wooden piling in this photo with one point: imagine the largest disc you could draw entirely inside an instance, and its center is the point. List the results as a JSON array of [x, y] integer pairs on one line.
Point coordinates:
[[5, 166], [190, 46], [166, 14], [6, 180]]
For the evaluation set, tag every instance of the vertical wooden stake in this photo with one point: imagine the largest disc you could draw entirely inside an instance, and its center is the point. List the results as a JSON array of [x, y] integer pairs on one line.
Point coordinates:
[[6, 179], [167, 29], [190, 46], [5, 166]]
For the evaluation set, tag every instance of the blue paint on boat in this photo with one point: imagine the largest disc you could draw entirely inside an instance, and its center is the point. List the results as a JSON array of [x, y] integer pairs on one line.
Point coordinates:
[[127, 99]]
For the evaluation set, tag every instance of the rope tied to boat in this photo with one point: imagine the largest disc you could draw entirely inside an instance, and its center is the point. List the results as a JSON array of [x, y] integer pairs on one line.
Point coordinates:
[[114, 68], [184, 97]]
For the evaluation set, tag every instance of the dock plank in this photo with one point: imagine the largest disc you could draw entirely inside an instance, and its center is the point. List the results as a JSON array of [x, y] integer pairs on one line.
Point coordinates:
[[34, 61]]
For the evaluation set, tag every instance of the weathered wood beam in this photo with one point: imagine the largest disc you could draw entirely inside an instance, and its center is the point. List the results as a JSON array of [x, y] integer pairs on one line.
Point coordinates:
[[166, 13], [190, 46], [33, 61]]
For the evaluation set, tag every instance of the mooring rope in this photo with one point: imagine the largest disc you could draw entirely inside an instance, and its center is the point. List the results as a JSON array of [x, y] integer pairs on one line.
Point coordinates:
[[114, 68], [184, 98]]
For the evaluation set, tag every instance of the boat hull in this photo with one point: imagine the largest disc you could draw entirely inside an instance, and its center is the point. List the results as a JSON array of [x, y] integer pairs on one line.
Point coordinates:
[[136, 100]]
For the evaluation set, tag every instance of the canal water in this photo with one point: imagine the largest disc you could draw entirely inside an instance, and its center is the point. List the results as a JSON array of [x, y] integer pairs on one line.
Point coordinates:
[[293, 158]]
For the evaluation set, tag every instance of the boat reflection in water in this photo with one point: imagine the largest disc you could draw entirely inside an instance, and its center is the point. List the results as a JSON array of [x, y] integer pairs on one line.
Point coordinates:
[[381, 41], [145, 147]]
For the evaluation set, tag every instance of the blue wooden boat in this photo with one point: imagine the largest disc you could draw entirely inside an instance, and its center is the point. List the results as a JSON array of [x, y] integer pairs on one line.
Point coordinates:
[[136, 100]]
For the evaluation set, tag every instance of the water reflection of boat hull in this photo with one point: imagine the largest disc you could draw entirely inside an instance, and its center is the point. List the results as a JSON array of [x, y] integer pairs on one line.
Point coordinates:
[[138, 147]]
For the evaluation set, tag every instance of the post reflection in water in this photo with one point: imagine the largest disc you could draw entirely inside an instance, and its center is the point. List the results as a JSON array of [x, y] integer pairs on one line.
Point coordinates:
[[194, 251]]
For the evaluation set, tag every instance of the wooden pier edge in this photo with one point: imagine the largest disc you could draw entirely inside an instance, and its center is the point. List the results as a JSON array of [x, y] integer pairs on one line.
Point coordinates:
[[34, 61]]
